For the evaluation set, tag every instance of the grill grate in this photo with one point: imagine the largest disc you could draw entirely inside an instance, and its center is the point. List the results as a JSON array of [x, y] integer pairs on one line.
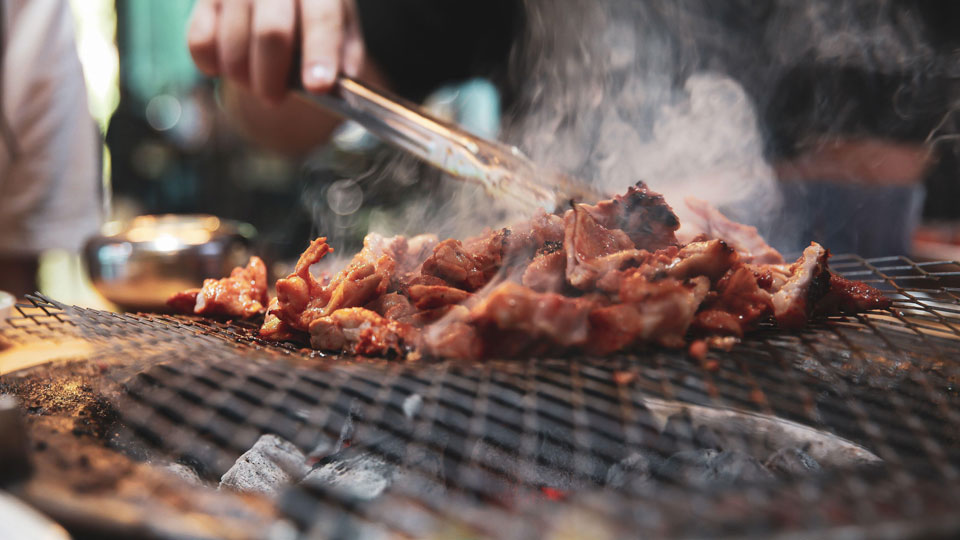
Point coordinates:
[[517, 448]]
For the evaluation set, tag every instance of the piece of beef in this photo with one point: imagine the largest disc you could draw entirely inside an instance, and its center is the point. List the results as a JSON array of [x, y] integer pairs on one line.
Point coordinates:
[[592, 250], [301, 288], [453, 339], [183, 301], [453, 264], [650, 312], [558, 319], [243, 294], [642, 214], [302, 298], [847, 296], [547, 271], [737, 304], [361, 331], [274, 329], [712, 258], [809, 280], [392, 306], [434, 296], [749, 293]]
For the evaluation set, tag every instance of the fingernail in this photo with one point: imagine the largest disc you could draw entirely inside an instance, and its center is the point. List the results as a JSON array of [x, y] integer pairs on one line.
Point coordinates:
[[318, 75]]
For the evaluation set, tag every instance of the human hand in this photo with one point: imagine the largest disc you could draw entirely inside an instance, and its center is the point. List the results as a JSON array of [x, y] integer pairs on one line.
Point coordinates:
[[252, 42]]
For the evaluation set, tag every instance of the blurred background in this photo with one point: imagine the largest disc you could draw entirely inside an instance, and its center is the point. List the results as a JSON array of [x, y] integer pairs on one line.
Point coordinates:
[[169, 148]]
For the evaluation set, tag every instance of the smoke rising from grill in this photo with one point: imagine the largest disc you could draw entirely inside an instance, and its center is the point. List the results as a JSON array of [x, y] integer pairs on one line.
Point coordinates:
[[608, 97], [697, 98]]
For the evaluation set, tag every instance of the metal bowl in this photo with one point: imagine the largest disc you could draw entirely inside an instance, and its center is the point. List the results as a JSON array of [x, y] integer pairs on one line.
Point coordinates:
[[6, 305], [138, 264]]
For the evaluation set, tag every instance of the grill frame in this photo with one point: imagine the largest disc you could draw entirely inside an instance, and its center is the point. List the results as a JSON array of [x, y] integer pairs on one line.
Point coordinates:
[[884, 380]]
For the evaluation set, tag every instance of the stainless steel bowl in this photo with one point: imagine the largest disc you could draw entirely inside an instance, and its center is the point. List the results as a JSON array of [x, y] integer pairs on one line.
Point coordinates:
[[6, 305], [139, 263]]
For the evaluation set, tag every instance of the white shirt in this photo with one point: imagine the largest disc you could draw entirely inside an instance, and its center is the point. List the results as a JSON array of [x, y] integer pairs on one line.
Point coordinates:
[[50, 183]]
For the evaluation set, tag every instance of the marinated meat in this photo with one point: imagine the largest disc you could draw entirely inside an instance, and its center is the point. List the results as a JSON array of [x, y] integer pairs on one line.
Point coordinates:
[[453, 339], [547, 271], [243, 294], [643, 215], [735, 306], [593, 250], [183, 301], [451, 263], [392, 306], [302, 298], [649, 311], [434, 296], [847, 296], [598, 279], [808, 282], [274, 329], [362, 332], [712, 259], [513, 308]]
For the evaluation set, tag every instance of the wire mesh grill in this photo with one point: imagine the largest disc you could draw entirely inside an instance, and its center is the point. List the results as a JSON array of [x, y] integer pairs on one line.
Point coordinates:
[[517, 448]]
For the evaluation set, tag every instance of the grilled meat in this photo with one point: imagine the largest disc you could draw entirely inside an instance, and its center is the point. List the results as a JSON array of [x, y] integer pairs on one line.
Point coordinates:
[[361, 331], [598, 279], [243, 294]]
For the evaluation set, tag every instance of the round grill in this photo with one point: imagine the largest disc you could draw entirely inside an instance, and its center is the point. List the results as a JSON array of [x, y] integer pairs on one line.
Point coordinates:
[[526, 447]]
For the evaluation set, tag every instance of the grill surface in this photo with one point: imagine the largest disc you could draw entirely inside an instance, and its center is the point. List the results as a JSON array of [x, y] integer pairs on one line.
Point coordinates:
[[521, 448]]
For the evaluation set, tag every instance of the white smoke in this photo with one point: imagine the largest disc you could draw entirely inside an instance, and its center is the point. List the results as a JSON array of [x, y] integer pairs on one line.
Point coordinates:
[[617, 91], [609, 97]]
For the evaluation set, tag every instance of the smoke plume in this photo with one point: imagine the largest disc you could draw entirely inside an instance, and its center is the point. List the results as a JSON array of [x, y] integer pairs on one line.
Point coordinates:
[[688, 96]]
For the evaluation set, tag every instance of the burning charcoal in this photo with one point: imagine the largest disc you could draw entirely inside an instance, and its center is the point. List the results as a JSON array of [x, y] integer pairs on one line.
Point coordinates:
[[324, 447], [349, 426], [738, 467], [702, 467], [270, 464], [425, 474], [634, 470], [706, 438], [364, 476], [792, 462], [366, 471], [678, 431], [690, 467]]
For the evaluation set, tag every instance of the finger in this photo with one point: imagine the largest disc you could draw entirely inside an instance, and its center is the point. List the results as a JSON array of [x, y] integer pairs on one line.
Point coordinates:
[[354, 50], [202, 36], [322, 28], [274, 27], [233, 40]]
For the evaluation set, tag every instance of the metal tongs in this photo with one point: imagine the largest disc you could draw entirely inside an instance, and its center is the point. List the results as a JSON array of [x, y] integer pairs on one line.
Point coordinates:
[[501, 169]]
